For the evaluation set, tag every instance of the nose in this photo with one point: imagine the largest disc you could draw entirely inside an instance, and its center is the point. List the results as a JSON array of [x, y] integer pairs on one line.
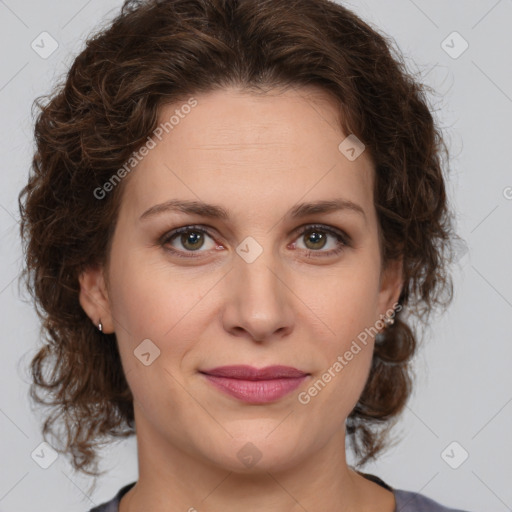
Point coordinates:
[[259, 303]]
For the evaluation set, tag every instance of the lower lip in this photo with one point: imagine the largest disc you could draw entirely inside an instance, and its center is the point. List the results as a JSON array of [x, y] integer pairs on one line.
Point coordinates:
[[256, 391]]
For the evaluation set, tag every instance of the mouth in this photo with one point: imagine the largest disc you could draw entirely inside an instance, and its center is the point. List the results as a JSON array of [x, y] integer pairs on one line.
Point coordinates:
[[253, 385]]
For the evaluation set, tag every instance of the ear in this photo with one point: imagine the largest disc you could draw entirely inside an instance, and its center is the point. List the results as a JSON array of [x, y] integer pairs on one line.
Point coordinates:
[[391, 284], [94, 298]]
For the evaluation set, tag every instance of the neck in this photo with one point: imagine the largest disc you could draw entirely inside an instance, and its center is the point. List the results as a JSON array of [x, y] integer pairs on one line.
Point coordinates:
[[171, 479]]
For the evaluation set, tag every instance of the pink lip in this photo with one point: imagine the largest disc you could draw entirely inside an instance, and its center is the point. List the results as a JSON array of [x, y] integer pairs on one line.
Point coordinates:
[[255, 385]]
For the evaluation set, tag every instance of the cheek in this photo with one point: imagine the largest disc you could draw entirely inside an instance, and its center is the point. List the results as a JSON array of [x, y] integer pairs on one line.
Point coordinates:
[[349, 300], [147, 294], [148, 306], [148, 303], [346, 356], [348, 305]]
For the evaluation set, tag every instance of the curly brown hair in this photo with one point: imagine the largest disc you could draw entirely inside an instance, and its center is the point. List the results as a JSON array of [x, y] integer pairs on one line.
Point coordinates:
[[158, 52]]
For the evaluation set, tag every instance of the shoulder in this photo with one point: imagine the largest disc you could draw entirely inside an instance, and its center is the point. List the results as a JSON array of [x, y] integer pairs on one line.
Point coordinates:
[[407, 501], [113, 504]]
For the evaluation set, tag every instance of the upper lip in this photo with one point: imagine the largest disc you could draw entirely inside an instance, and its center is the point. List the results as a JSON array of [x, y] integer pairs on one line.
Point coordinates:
[[245, 372]]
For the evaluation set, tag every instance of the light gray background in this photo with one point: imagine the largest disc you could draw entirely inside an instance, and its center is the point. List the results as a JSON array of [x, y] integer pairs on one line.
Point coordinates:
[[463, 388]]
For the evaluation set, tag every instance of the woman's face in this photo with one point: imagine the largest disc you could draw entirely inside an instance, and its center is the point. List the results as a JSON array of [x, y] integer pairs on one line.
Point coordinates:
[[259, 286]]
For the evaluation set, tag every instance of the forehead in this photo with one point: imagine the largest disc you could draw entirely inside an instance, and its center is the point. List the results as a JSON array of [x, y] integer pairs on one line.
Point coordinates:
[[249, 150]]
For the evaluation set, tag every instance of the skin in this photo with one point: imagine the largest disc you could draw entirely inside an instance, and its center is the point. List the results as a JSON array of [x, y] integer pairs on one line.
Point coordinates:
[[256, 156]]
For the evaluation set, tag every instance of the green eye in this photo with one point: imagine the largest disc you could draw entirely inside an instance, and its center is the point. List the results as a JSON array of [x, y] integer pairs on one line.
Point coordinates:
[[314, 237], [318, 237]]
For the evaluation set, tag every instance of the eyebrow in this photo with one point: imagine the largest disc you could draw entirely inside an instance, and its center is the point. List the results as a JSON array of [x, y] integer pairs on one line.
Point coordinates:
[[218, 212]]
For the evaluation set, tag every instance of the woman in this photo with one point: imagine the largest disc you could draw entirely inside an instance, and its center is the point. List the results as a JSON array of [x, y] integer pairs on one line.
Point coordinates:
[[236, 212]]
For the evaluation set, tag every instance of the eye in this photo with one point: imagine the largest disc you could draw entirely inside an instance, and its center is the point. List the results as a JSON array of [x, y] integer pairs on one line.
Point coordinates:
[[191, 239], [316, 238]]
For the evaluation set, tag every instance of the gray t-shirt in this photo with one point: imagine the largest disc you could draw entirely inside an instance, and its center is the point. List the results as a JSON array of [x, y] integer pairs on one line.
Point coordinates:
[[405, 501]]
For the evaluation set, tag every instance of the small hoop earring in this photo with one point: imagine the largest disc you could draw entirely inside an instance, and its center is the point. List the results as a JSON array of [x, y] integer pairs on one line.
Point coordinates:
[[100, 326]]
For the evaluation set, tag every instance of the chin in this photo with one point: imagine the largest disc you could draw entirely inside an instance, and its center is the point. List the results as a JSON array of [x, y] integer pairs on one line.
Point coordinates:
[[259, 453]]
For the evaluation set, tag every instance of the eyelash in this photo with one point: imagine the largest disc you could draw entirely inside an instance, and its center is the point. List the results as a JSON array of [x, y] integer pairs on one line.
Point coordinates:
[[343, 240]]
